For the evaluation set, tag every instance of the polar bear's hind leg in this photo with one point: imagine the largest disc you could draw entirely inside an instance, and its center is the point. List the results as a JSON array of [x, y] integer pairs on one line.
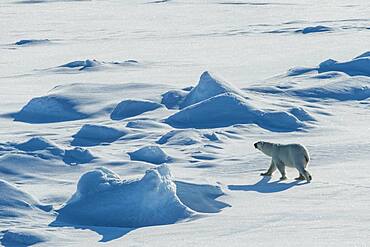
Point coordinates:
[[303, 173], [301, 177]]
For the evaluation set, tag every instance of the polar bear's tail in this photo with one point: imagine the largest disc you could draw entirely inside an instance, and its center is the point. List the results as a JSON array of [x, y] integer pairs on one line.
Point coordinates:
[[306, 157]]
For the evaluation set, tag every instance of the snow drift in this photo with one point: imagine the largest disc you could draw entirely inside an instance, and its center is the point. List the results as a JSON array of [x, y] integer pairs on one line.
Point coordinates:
[[343, 89], [201, 197], [315, 29], [228, 109], [349, 89], [49, 109], [360, 65], [90, 64], [83, 100], [20, 238], [173, 98], [331, 80], [91, 135], [77, 156], [131, 108], [38, 143], [81, 65], [27, 42], [41, 147], [104, 199], [301, 114], [181, 137], [145, 124], [207, 87], [151, 154], [17, 203]]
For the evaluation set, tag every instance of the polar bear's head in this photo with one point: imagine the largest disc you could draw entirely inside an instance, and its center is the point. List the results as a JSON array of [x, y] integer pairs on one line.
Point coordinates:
[[259, 145], [264, 147]]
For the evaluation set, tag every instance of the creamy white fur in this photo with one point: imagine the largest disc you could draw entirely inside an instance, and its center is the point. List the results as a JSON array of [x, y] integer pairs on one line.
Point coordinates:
[[291, 155]]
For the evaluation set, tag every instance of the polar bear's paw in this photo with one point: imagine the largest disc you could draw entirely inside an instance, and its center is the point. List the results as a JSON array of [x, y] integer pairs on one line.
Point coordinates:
[[301, 177], [283, 178], [266, 174]]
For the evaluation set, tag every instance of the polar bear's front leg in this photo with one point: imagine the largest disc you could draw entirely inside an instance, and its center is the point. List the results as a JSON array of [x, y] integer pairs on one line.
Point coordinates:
[[271, 169], [281, 167]]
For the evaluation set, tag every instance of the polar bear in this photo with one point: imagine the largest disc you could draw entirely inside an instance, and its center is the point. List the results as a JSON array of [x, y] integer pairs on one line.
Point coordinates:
[[292, 155]]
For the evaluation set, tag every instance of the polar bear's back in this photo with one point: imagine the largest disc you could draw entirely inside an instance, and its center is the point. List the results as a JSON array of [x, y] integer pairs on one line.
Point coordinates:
[[294, 152]]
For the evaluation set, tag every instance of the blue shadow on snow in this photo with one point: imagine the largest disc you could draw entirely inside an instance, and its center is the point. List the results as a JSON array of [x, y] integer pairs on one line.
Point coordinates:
[[263, 186]]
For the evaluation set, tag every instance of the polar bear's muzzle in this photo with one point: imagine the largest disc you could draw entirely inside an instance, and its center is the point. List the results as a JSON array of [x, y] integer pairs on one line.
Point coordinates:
[[255, 145]]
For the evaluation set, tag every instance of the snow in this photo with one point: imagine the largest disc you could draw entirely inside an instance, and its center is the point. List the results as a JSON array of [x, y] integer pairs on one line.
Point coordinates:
[[15, 202], [323, 86], [92, 64], [91, 135], [151, 154], [208, 86], [81, 65], [227, 109], [201, 197], [173, 98], [181, 137], [26, 42], [357, 66], [145, 124], [48, 109], [315, 29], [131, 108], [77, 155], [103, 199], [301, 114], [295, 72], [22, 238], [38, 143]]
